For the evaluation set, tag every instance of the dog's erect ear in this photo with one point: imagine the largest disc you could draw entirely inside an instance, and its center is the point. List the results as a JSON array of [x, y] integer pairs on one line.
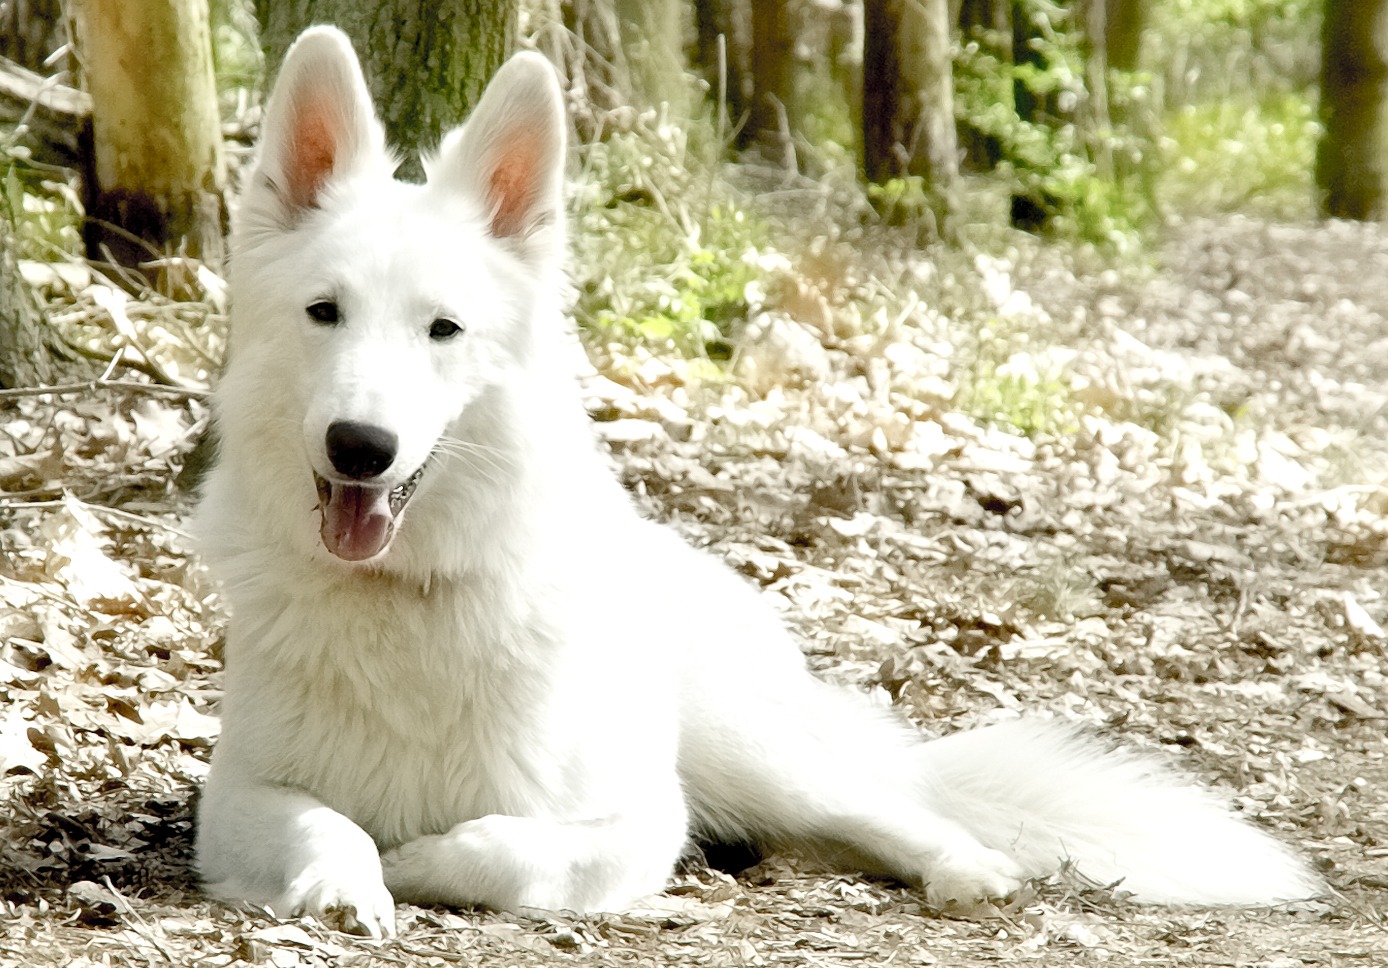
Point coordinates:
[[319, 125], [509, 156]]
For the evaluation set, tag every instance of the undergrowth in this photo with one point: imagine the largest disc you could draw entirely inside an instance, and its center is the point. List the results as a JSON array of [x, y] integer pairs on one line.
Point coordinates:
[[665, 253], [1254, 156], [1017, 384], [45, 212]]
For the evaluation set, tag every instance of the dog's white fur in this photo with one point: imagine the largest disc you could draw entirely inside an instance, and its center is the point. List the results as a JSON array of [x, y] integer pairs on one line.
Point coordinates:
[[531, 696]]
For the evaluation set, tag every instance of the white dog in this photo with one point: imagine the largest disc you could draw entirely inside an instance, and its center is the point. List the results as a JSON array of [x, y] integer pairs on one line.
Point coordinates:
[[461, 668]]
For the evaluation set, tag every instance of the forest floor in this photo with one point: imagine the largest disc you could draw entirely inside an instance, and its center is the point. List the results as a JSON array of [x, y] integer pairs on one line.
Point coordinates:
[[1190, 555]]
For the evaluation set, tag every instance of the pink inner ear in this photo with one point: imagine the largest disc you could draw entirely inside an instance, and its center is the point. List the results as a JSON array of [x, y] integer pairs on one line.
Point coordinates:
[[313, 149], [513, 186]]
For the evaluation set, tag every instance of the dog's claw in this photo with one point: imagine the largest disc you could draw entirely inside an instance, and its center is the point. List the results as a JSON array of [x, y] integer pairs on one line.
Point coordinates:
[[343, 917], [341, 902]]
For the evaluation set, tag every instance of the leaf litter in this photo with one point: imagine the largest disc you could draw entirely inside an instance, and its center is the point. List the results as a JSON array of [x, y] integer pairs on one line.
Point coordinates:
[[1185, 547]]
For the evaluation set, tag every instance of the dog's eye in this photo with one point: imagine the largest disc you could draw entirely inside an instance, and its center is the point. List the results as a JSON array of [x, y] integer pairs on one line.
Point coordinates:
[[443, 329], [324, 311]]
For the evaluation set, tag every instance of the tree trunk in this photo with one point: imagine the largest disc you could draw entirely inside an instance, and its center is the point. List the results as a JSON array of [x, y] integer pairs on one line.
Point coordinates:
[[1031, 211], [1025, 29], [773, 79], [1123, 33], [908, 92], [730, 20], [1354, 67], [1098, 127], [155, 173], [426, 61]]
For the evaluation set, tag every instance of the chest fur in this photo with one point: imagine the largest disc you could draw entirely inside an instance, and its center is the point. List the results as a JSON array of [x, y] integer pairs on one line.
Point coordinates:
[[408, 712]]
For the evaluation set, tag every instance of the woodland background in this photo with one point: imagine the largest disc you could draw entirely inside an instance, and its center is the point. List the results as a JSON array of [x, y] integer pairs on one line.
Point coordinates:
[[1029, 356]]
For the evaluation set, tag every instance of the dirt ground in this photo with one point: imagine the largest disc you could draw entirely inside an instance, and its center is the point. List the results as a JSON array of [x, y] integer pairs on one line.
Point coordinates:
[[1191, 558]]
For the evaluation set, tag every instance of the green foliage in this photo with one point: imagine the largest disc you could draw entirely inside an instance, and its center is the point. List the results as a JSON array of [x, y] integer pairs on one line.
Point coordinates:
[[1049, 161], [46, 214], [653, 264], [236, 55], [902, 200], [1060, 591], [1219, 49], [1244, 155], [1220, 118], [1239, 79], [826, 119], [1013, 385]]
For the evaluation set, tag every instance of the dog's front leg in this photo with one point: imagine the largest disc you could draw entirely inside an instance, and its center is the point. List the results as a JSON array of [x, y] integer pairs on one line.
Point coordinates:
[[510, 863], [282, 849]]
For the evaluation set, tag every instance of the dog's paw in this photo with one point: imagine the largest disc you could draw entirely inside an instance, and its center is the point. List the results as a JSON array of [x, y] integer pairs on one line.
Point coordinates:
[[968, 874], [349, 901]]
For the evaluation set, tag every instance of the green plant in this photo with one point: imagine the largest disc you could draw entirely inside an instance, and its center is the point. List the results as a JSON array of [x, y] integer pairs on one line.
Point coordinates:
[[1060, 591], [46, 214], [1048, 160], [1253, 155], [901, 200], [236, 52], [653, 264], [1014, 385]]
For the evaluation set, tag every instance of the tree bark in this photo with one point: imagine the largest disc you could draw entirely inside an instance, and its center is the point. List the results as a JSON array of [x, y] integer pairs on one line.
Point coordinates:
[[1123, 33], [426, 61], [1098, 126], [1350, 165], [155, 172], [731, 20], [773, 78], [908, 92]]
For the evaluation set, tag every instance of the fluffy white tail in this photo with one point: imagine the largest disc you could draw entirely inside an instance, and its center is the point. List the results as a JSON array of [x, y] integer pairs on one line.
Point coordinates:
[[1044, 793]]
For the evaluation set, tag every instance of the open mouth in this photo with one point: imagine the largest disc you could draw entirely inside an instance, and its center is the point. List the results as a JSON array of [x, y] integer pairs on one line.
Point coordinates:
[[359, 519]]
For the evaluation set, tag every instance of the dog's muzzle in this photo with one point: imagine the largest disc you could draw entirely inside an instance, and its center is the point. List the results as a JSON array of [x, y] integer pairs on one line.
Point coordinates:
[[359, 516]]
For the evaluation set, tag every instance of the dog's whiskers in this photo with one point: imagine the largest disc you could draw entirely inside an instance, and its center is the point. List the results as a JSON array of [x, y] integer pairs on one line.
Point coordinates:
[[474, 456]]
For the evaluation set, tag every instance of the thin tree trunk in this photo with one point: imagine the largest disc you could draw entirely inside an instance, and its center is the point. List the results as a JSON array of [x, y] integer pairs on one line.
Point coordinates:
[[426, 61], [730, 20], [908, 92], [928, 69], [1098, 127], [1028, 105], [1029, 211], [155, 174], [773, 77], [1350, 166], [1123, 33]]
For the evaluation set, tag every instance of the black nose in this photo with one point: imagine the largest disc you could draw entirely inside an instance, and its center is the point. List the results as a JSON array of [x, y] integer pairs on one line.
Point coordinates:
[[360, 451]]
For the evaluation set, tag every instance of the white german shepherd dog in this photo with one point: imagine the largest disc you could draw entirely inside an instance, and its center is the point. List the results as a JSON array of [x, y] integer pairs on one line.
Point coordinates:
[[462, 669]]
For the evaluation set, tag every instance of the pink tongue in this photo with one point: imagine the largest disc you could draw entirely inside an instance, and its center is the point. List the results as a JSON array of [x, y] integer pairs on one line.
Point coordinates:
[[356, 521]]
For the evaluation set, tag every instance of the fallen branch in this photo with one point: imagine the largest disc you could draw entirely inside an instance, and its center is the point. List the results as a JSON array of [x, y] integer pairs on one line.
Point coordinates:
[[52, 113], [59, 389]]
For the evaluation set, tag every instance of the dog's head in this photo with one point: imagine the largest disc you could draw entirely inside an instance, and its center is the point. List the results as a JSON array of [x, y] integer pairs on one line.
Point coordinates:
[[374, 319]]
